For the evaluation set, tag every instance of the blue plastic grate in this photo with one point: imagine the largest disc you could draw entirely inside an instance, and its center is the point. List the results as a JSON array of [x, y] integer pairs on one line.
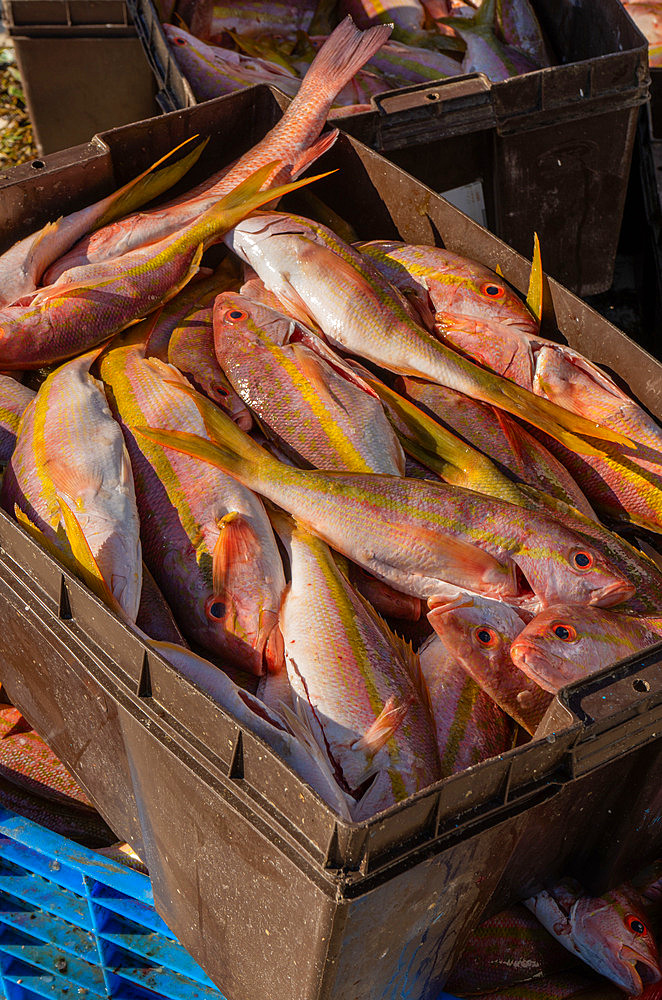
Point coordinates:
[[75, 925]]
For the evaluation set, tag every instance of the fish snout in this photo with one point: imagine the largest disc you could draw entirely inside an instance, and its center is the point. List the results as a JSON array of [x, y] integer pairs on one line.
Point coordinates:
[[613, 593], [536, 664], [636, 971]]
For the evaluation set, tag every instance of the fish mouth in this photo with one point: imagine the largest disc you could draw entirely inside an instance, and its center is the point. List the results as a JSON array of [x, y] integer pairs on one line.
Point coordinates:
[[441, 605], [638, 971], [536, 664], [612, 593]]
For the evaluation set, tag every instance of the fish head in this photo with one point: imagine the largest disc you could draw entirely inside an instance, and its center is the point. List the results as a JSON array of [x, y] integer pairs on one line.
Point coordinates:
[[476, 631], [560, 569], [577, 385], [237, 317], [469, 289], [565, 643], [501, 347], [258, 229], [611, 934]]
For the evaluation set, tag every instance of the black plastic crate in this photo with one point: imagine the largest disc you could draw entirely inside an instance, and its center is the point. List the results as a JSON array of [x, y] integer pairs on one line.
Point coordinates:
[[551, 149], [81, 66], [271, 892]]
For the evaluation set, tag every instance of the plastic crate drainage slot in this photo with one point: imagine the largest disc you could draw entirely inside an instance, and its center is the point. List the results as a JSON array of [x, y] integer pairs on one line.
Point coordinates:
[[74, 924]]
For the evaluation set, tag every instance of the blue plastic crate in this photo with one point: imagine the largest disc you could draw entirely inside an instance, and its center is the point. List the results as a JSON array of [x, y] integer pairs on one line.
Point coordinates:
[[74, 924]]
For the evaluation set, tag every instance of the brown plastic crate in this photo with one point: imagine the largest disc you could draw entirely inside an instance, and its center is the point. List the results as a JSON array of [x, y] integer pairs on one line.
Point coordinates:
[[82, 68], [271, 892], [552, 149]]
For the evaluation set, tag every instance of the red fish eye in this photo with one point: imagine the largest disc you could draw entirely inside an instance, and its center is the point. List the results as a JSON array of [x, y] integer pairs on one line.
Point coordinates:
[[566, 633], [220, 390], [486, 636], [635, 925], [214, 609], [179, 41], [235, 315], [582, 560], [492, 290]]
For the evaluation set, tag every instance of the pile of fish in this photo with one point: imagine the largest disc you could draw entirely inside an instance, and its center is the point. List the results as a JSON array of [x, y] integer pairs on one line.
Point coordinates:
[[274, 469], [545, 947], [647, 15], [221, 48]]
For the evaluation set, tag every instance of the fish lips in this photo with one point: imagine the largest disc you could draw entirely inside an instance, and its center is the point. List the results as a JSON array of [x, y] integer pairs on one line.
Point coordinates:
[[613, 593], [538, 665], [635, 971]]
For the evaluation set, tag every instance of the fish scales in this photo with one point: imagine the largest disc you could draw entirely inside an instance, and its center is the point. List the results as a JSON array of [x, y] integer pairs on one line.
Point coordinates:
[[69, 448], [469, 726], [345, 664], [308, 406]]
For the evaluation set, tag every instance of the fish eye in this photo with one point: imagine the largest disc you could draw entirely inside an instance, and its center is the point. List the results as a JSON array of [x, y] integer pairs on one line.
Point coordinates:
[[214, 609], [581, 559], [486, 636], [492, 290], [635, 925], [179, 41], [220, 390], [235, 315], [566, 633]]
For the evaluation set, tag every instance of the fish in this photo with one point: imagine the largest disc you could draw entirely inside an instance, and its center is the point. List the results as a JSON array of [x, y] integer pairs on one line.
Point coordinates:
[[478, 635], [469, 726], [309, 404], [456, 461], [509, 948], [356, 308], [609, 932], [306, 758], [412, 64], [498, 436], [213, 70], [200, 291], [290, 146], [408, 15], [206, 539], [262, 17], [454, 286], [390, 603], [14, 400], [69, 482], [155, 618], [519, 27], [191, 350], [358, 683], [564, 644], [647, 15], [412, 534], [89, 304], [486, 53], [624, 483], [562, 986], [23, 265]]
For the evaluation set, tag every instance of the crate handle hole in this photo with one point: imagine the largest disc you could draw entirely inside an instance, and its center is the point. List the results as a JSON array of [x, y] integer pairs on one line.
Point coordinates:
[[433, 96], [38, 164], [639, 684]]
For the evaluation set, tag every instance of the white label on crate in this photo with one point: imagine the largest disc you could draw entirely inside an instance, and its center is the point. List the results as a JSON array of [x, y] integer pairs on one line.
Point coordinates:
[[469, 199]]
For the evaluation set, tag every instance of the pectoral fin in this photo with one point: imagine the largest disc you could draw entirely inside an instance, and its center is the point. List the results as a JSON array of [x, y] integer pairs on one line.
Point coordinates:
[[384, 727]]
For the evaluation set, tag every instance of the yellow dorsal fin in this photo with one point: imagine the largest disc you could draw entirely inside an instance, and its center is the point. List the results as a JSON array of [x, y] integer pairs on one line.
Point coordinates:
[[535, 294]]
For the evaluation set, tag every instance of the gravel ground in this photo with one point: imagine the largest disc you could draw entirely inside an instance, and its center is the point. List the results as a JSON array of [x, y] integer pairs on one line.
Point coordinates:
[[16, 142]]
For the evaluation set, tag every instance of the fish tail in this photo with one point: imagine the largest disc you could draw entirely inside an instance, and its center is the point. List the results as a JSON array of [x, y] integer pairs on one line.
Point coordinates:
[[343, 54], [240, 202], [559, 423], [227, 447], [150, 184]]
